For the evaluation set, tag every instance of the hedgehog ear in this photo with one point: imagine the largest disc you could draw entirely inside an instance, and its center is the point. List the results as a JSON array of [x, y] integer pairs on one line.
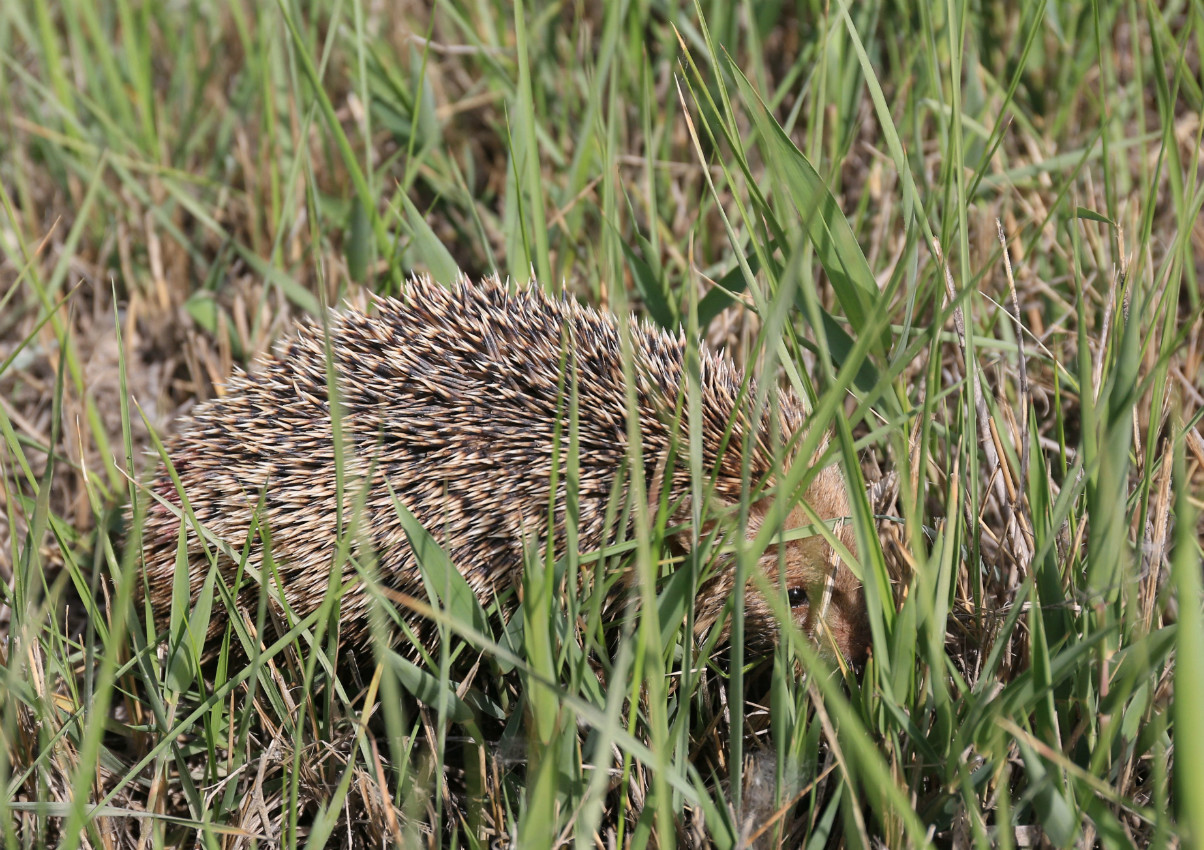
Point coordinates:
[[828, 490]]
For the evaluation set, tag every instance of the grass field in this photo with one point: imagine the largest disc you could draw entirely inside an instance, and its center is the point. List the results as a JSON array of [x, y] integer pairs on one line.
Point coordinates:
[[969, 234]]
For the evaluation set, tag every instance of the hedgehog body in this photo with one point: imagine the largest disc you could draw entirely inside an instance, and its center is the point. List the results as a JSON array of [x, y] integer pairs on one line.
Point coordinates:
[[455, 402]]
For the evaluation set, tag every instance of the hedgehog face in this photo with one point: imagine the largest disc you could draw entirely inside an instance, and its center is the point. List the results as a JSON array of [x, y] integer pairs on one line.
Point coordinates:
[[826, 599]]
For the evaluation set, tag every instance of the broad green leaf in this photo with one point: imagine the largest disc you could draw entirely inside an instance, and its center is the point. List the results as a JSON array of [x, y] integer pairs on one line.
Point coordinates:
[[428, 689], [426, 245]]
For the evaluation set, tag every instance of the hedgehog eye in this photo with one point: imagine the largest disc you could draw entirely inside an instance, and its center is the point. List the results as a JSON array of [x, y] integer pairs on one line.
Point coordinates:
[[796, 596]]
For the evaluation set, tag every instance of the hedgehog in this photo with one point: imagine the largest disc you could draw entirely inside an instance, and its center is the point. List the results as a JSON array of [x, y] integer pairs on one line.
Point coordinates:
[[453, 403]]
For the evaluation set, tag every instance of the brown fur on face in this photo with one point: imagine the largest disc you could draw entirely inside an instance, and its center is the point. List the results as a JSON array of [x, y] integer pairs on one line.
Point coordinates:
[[826, 598]]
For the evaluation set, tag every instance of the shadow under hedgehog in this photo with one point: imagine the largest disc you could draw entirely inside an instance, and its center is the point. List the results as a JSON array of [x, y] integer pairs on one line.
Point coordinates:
[[453, 402]]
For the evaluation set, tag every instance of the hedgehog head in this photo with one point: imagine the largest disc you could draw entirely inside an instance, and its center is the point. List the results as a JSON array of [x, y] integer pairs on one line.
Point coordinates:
[[826, 599]]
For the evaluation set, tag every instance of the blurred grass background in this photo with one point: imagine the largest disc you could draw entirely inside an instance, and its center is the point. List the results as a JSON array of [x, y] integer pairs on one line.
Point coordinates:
[[818, 184]]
